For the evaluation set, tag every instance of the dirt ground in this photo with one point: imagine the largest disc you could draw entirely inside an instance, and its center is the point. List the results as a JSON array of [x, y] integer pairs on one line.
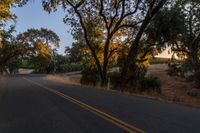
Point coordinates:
[[175, 89]]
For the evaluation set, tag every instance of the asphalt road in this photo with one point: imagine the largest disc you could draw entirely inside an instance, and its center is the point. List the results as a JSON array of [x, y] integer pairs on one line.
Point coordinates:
[[29, 104]]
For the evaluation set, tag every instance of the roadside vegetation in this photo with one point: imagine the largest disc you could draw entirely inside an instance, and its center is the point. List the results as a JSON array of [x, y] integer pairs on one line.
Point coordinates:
[[115, 44]]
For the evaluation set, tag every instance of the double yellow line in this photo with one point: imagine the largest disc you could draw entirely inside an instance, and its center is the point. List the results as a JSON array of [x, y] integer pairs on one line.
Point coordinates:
[[125, 126]]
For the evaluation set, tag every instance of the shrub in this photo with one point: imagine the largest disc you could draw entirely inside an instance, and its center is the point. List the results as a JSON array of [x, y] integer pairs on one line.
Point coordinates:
[[69, 68], [150, 84], [89, 76], [175, 69], [114, 79]]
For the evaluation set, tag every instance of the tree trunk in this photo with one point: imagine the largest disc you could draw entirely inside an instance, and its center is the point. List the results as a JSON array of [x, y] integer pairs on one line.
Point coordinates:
[[194, 57], [106, 58], [132, 53], [135, 45], [104, 80]]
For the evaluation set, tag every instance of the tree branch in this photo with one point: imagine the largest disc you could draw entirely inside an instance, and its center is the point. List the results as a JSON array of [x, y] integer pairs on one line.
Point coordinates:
[[75, 7], [101, 14], [112, 52]]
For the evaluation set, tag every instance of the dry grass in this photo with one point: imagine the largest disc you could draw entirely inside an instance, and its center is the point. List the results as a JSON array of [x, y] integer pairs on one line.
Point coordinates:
[[2, 81], [2, 86], [62, 79], [71, 80], [174, 89]]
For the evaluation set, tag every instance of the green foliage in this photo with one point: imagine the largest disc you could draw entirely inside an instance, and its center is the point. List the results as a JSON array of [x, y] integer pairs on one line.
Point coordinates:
[[38, 43], [68, 68], [150, 84], [32, 37], [10, 51], [90, 76], [105, 25], [41, 64], [165, 27], [13, 65], [25, 64], [60, 59], [75, 53], [138, 67], [178, 27], [159, 60], [184, 69], [175, 69], [138, 73]]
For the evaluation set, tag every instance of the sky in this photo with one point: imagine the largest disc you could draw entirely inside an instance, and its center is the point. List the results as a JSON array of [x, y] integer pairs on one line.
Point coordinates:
[[165, 54], [32, 15]]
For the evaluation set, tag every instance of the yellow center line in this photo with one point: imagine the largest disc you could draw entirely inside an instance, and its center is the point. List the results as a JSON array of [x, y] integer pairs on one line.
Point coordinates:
[[125, 126]]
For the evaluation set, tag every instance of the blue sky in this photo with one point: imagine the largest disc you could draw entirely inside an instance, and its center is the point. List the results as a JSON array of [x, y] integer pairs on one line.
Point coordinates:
[[32, 15]]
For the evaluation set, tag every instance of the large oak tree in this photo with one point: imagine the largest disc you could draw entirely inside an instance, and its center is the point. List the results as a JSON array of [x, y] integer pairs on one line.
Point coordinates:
[[111, 17]]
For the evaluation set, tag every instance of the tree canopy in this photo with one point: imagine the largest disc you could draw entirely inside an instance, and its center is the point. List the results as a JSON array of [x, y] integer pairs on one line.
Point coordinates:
[[39, 43], [34, 45], [101, 21], [180, 29]]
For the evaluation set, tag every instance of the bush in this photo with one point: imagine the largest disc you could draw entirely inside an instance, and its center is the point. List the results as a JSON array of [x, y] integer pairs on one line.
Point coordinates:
[[150, 84], [69, 68], [89, 76], [114, 79], [175, 69]]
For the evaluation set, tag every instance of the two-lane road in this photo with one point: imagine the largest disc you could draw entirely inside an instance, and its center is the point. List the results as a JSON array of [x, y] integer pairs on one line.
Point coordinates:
[[33, 105]]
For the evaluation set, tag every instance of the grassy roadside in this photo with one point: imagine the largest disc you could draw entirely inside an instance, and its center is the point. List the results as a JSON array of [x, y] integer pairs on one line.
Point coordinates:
[[1, 81], [174, 89], [62, 79]]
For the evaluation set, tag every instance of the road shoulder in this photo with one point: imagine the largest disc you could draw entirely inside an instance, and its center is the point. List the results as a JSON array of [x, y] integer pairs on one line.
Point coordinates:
[[2, 87]]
